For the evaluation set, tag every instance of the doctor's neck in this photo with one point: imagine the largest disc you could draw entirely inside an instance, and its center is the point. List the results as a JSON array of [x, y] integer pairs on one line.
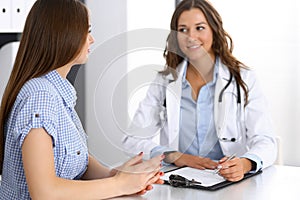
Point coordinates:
[[203, 68]]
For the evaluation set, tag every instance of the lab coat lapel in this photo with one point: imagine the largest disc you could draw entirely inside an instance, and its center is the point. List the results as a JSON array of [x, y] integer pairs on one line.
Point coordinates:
[[173, 97]]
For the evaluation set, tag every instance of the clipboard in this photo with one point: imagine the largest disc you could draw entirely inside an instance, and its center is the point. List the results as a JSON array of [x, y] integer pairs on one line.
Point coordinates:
[[209, 179]]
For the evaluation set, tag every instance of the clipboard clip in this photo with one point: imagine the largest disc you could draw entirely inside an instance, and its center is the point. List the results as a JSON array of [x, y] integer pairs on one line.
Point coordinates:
[[180, 181]]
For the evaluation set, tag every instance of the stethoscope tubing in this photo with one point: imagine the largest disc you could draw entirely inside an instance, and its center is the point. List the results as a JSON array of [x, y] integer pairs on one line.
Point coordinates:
[[226, 86], [224, 139]]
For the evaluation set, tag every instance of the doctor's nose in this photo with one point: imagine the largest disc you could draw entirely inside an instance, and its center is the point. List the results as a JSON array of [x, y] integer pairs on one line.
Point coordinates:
[[191, 36]]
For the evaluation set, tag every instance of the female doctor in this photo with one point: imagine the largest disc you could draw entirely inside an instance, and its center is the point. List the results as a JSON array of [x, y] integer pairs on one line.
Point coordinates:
[[206, 105]]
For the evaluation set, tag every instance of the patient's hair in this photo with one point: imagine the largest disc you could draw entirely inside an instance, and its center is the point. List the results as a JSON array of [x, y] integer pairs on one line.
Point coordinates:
[[54, 32]]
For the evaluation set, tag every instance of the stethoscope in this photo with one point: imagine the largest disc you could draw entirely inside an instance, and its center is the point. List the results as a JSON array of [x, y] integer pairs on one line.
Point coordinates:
[[233, 139]]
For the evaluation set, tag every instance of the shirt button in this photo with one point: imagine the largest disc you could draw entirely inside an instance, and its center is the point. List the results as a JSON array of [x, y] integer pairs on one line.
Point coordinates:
[[37, 115], [78, 152]]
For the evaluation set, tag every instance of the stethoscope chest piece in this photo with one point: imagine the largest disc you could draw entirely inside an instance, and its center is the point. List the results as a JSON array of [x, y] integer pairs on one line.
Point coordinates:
[[228, 139]]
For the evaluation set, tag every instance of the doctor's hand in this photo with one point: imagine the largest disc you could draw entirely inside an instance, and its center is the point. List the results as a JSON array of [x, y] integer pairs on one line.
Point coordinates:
[[181, 159], [137, 176], [234, 169]]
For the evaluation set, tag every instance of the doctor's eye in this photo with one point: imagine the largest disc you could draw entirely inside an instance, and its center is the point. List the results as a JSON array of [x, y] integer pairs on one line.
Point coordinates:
[[182, 30], [200, 28]]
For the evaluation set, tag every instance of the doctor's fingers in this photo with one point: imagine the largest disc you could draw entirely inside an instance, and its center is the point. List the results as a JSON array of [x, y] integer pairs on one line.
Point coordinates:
[[207, 163], [230, 163], [232, 169], [231, 174], [202, 164], [223, 159]]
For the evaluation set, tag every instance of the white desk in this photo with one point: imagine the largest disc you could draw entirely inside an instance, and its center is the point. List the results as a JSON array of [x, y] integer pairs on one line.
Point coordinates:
[[276, 182]]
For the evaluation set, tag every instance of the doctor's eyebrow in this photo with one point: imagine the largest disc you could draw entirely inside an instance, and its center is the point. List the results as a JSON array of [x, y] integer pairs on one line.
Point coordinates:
[[197, 24]]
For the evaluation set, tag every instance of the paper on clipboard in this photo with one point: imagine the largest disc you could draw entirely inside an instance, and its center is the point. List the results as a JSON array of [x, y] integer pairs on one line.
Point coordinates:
[[206, 177]]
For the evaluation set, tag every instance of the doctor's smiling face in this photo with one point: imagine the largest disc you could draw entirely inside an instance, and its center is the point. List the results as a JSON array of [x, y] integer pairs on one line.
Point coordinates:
[[195, 36]]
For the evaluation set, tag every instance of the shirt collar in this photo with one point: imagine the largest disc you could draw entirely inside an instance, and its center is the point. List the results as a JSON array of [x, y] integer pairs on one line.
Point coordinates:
[[64, 87], [184, 81], [215, 74]]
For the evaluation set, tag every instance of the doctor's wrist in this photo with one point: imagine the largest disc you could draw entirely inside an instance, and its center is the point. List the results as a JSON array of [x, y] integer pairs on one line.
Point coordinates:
[[247, 165], [171, 156]]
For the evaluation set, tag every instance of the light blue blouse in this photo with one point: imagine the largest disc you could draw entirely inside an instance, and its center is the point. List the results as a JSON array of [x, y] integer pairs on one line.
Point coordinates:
[[197, 133]]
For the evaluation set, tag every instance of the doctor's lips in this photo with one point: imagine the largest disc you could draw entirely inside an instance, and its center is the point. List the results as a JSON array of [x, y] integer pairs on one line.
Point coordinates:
[[193, 46]]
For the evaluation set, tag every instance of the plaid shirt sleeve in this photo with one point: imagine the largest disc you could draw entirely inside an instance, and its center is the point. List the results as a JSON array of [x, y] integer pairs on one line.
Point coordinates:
[[37, 111]]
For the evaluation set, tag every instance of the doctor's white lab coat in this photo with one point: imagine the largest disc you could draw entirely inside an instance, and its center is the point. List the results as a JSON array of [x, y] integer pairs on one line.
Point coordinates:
[[240, 129]]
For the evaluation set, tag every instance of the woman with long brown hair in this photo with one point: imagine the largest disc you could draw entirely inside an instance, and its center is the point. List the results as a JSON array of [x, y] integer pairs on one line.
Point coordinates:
[[43, 149], [206, 104]]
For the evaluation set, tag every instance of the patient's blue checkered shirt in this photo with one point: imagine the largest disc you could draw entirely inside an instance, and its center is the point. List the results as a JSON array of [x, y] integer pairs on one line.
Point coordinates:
[[45, 102]]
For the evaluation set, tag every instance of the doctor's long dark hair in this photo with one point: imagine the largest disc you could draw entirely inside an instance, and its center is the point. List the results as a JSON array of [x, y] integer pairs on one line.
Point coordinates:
[[222, 42], [54, 33]]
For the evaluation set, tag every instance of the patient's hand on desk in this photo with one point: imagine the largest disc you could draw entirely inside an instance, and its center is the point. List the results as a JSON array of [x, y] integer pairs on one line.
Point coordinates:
[[234, 169], [138, 176], [150, 187], [181, 159]]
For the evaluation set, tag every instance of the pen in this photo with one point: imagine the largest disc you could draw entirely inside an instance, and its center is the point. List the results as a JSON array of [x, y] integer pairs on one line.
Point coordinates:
[[220, 166]]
